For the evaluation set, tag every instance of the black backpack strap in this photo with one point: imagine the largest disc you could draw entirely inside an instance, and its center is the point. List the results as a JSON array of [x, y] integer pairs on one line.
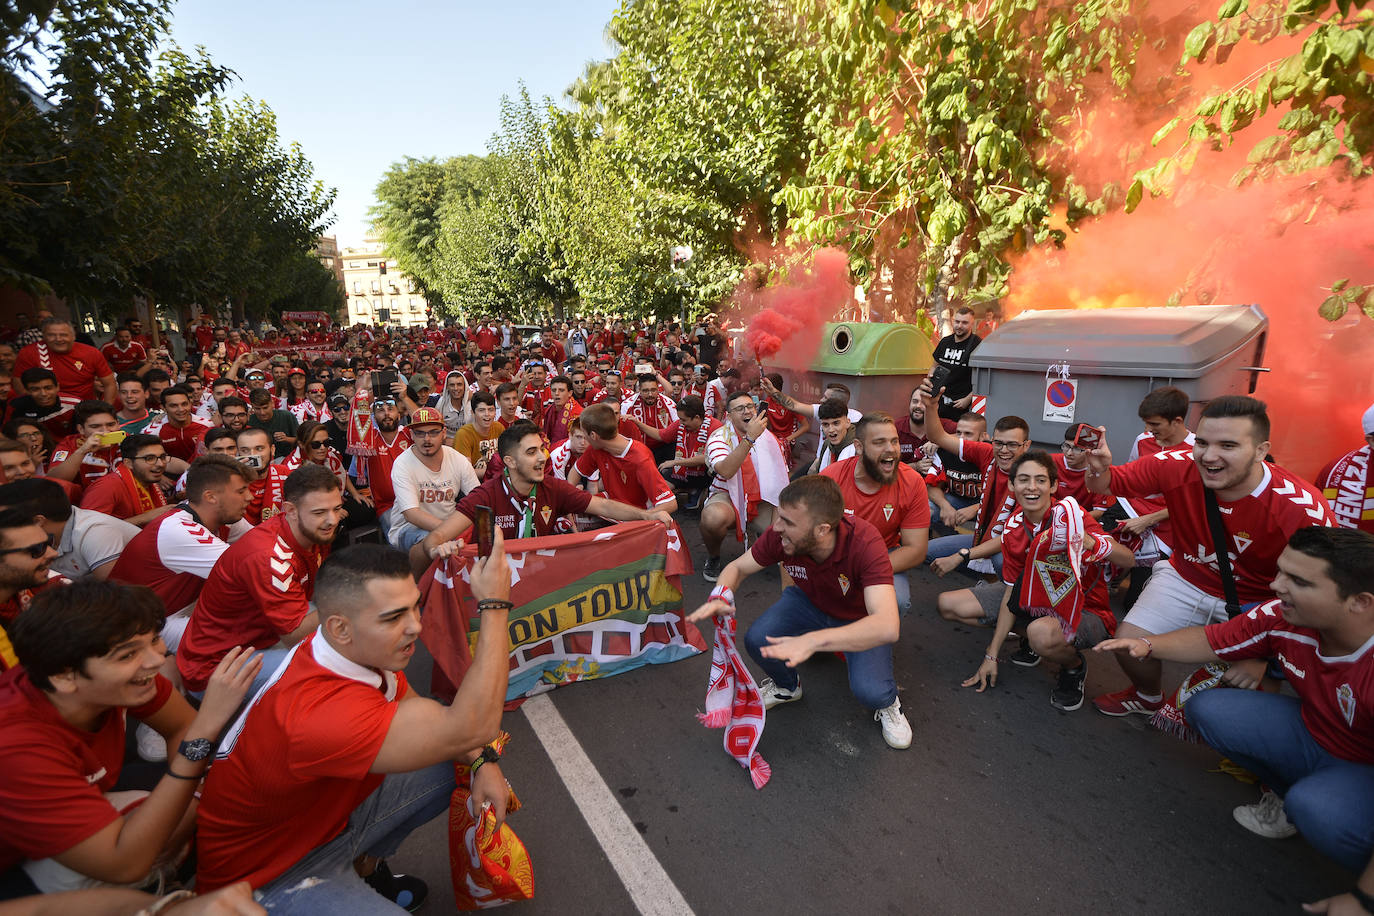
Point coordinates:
[[1220, 543]]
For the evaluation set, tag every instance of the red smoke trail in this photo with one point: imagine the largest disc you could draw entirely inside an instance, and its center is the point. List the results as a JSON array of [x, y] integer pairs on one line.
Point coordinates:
[[1279, 243], [785, 321]]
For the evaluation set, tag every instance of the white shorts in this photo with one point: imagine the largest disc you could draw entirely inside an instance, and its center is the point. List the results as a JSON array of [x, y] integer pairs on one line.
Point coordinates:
[[1169, 602]]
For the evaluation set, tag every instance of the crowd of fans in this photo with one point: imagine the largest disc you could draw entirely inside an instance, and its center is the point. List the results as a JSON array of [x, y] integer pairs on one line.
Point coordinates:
[[173, 547]]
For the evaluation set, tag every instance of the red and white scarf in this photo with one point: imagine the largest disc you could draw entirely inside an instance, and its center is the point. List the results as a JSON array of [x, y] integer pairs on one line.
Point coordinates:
[[1054, 582], [759, 479], [145, 498], [685, 440], [277, 474], [733, 702], [364, 438]]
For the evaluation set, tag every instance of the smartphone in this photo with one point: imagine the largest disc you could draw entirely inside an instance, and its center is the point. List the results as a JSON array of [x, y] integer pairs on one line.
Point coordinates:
[[644, 369], [382, 380], [1085, 436], [252, 461], [483, 525], [113, 438], [938, 378]]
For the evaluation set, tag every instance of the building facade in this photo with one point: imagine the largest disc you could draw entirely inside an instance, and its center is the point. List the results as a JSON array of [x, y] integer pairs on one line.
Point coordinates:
[[377, 292]]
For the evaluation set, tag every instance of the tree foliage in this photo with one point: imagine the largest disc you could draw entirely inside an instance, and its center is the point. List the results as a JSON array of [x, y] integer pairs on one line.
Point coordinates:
[[139, 177]]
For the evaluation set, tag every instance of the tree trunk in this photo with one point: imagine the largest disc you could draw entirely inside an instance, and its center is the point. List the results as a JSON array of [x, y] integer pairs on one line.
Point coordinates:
[[153, 325], [939, 297]]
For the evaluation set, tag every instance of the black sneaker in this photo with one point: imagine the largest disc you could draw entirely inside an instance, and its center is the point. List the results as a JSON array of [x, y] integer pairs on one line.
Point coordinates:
[[1025, 656], [1068, 693], [406, 891], [711, 571]]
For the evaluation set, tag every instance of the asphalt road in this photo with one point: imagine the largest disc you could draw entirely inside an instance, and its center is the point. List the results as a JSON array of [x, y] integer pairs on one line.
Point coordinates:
[[1003, 804]]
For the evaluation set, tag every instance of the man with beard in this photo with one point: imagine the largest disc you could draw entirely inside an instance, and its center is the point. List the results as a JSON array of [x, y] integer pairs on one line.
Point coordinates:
[[88, 543], [26, 556], [954, 351], [280, 425], [911, 431], [749, 469], [82, 373], [233, 411], [650, 409], [259, 592], [134, 491], [1260, 506], [890, 495], [525, 502], [382, 445], [841, 600], [427, 480]]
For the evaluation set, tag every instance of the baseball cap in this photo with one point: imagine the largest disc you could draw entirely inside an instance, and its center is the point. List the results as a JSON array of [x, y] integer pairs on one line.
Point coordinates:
[[426, 416]]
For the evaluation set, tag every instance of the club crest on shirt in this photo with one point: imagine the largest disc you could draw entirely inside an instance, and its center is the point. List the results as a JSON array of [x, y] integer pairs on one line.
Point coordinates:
[[78, 364], [546, 512], [887, 512], [844, 584], [1345, 698], [624, 478]]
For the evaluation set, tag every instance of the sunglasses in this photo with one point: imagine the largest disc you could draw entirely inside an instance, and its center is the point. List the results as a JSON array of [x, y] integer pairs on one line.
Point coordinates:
[[323, 443], [35, 551], [389, 402]]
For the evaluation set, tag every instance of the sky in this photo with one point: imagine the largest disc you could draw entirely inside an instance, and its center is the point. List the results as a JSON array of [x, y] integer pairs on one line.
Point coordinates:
[[363, 85]]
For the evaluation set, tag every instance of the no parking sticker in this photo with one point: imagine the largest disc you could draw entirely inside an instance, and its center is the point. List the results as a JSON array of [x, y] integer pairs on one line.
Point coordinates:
[[1061, 397]]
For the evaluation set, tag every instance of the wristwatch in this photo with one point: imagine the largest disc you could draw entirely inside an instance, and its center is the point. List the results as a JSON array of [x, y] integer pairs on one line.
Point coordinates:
[[963, 554], [196, 750]]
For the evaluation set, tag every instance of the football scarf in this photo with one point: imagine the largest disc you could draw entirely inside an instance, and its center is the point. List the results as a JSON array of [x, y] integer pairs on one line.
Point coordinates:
[[733, 702], [1054, 583], [144, 498]]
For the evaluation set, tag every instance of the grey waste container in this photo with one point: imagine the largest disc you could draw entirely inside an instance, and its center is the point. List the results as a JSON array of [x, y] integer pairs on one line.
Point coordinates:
[[1118, 356]]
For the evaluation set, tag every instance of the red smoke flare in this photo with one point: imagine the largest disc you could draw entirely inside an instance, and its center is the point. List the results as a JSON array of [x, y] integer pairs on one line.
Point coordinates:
[[786, 321]]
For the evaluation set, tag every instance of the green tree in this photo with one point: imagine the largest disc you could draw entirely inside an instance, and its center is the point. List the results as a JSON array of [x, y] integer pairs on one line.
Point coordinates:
[[411, 198]]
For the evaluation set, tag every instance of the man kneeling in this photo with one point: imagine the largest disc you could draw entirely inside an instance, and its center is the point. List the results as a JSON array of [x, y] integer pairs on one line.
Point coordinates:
[[336, 761], [842, 601]]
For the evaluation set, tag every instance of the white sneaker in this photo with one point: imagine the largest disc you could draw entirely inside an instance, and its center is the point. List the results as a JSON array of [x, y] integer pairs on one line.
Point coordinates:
[[152, 747], [896, 729], [773, 695], [1266, 817]]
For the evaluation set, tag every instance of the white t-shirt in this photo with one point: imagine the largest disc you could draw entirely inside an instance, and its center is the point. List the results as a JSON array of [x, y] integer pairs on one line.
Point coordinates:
[[90, 540], [437, 492]]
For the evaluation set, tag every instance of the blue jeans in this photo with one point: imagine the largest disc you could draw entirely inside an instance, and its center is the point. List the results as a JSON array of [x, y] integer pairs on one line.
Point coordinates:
[[951, 544], [407, 536], [870, 671], [401, 804], [939, 528], [1329, 800]]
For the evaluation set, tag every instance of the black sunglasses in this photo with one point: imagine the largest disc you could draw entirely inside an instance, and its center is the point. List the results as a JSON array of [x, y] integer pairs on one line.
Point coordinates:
[[34, 550]]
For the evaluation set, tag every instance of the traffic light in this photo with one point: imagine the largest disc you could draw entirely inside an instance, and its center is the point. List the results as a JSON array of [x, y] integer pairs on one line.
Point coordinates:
[[382, 267]]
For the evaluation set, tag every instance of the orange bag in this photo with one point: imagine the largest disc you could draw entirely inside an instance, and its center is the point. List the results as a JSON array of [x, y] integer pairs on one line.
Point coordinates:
[[490, 867]]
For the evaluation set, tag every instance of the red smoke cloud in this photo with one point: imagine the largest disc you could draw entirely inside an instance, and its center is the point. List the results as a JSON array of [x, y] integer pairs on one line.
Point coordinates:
[[785, 321], [1279, 243]]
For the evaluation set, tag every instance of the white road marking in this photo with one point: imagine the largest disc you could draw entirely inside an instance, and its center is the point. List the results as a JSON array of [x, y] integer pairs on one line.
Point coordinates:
[[653, 892]]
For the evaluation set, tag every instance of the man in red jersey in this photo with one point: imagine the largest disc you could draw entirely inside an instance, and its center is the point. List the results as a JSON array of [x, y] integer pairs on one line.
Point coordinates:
[[1348, 484], [376, 449], [1315, 750], [134, 491], [124, 354], [178, 429], [330, 767], [259, 592], [174, 554], [878, 486], [1048, 538], [89, 655], [841, 600], [85, 456], [1260, 506], [688, 435], [649, 407], [82, 373], [626, 468]]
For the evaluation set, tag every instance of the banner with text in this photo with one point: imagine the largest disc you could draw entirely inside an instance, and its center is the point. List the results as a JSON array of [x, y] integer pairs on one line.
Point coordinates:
[[587, 605]]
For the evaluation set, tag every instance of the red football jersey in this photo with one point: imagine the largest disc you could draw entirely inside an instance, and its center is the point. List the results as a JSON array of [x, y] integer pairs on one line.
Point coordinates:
[[124, 360], [902, 504], [290, 777], [997, 502], [631, 477], [1016, 543], [173, 555], [1349, 489], [1337, 692], [1259, 523], [835, 586], [257, 593]]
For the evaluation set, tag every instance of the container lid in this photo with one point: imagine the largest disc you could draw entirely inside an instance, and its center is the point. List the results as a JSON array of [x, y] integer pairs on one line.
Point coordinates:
[[866, 348], [1182, 342]]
